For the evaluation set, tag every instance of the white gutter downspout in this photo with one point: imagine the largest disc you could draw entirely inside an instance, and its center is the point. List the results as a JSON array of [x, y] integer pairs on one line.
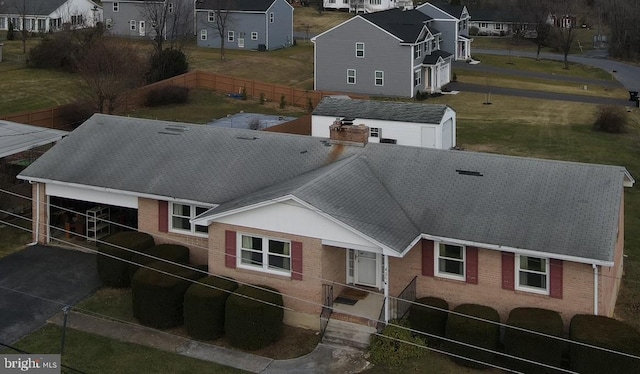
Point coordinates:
[[595, 289], [385, 275], [37, 228]]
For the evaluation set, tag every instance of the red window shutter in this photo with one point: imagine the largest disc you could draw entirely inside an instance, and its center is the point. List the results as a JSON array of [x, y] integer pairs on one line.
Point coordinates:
[[508, 271], [555, 281], [163, 216], [472, 265], [296, 260], [230, 249], [427, 258]]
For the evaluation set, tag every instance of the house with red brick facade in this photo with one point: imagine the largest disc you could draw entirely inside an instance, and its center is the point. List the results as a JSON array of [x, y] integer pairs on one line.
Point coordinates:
[[305, 214]]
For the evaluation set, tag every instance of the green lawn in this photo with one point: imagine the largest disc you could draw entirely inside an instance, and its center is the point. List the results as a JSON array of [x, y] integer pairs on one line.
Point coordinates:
[[95, 354], [543, 66], [12, 238]]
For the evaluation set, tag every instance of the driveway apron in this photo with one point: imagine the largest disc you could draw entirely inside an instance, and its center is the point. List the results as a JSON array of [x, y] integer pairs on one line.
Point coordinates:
[[37, 282]]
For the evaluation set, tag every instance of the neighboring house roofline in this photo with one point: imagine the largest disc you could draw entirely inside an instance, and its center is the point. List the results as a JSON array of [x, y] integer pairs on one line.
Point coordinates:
[[354, 18]]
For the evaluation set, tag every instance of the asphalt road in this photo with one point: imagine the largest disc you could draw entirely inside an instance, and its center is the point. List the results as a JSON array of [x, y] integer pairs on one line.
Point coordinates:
[[628, 75], [37, 282]]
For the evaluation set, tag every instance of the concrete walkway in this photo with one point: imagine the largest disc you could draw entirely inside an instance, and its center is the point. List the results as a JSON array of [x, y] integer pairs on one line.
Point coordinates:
[[323, 359]]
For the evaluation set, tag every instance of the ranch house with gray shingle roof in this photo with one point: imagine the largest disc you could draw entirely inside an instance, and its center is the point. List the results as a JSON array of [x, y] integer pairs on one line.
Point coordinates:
[[49, 15], [305, 215]]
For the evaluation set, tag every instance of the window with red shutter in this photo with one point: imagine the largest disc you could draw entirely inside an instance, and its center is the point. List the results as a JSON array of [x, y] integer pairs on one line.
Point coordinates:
[[508, 274], [555, 282], [472, 265], [296, 260], [163, 216], [230, 249], [427, 258]]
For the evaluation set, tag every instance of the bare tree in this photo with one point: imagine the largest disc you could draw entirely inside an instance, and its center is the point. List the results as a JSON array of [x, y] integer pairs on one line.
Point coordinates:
[[171, 21], [533, 16], [222, 21], [22, 8], [621, 17], [564, 29], [109, 68]]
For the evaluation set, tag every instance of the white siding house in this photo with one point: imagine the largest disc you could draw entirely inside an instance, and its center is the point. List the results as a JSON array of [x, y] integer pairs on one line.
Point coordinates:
[[48, 15]]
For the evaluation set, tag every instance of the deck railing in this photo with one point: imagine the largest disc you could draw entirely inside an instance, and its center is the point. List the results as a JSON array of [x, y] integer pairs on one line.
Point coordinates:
[[400, 307]]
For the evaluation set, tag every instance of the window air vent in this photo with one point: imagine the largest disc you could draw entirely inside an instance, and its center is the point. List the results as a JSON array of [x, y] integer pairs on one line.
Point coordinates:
[[469, 172]]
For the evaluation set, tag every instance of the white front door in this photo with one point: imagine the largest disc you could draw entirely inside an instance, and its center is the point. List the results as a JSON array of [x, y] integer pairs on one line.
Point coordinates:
[[366, 269], [141, 28]]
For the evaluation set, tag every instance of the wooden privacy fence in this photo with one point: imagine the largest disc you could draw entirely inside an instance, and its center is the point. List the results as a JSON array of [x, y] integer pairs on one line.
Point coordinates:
[[61, 116]]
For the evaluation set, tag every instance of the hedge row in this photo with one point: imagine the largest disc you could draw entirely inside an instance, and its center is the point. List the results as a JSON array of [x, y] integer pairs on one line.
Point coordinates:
[[113, 261], [204, 307], [597, 331]]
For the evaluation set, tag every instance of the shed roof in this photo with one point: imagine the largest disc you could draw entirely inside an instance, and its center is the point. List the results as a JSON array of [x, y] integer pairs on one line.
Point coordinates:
[[381, 110]]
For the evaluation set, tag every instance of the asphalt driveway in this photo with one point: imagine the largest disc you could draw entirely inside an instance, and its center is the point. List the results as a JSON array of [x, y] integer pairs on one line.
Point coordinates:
[[37, 282]]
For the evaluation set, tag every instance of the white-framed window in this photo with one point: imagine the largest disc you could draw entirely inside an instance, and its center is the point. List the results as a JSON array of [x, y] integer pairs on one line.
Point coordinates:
[[254, 35], [271, 17], [379, 78], [181, 214], [532, 274], [374, 132], [450, 261], [332, 1], [132, 24], [231, 36], [3, 23], [375, 2], [263, 253], [203, 34], [351, 76], [212, 16], [417, 78], [360, 50], [170, 7], [42, 25], [483, 25], [109, 23], [116, 7], [498, 26], [417, 51]]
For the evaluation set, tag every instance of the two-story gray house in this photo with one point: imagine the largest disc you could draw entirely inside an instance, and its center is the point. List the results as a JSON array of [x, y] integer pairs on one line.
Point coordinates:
[[140, 18], [389, 53], [249, 24], [453, 23]]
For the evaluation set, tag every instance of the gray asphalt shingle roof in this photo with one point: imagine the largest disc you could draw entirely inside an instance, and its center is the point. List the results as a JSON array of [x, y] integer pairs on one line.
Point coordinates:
[[432, 59], [241, 5], [389, 193], [30, 7], [381, 110], [404, 24]]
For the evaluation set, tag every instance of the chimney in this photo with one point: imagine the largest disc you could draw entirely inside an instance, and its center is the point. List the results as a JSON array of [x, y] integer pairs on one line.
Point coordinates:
[[345, 132]]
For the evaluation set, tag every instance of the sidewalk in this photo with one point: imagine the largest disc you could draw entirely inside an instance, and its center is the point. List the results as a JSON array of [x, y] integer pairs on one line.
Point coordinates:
[[323, 359]]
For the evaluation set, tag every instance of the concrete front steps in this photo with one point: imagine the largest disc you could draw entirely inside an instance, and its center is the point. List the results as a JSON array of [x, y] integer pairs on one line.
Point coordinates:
[[347, 334]]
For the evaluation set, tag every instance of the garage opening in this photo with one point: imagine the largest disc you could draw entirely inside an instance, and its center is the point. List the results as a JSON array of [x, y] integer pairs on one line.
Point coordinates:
[[88, 221]]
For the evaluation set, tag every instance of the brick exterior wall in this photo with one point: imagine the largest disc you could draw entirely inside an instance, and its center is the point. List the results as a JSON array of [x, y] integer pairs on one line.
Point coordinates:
[[577, 286], [148, 222], [303, 296], [609, 277]]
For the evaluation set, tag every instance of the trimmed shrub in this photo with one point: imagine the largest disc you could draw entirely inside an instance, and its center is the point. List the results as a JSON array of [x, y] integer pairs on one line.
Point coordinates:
[[167, 64], [611, 119], [114, 272], [531, 346], [253, 317], [157, 297], [390, 349], [171, 252], [429, 320], [167, 95], [204, 307], [474, 332], [606, 333]]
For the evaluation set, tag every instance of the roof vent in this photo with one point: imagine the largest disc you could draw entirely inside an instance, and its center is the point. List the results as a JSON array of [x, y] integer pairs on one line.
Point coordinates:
[[469, 172], [246, 137], [173, 130]]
